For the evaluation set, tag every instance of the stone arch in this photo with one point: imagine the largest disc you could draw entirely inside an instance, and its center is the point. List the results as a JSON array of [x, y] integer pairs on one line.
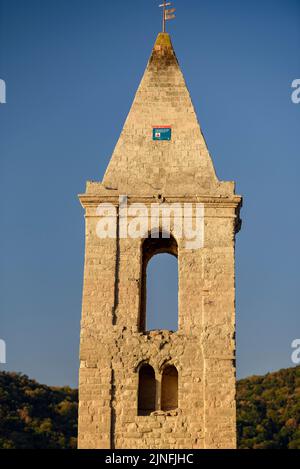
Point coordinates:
[[169, 388], [164, 243], [146, 389], [167, 360], [141, 361]]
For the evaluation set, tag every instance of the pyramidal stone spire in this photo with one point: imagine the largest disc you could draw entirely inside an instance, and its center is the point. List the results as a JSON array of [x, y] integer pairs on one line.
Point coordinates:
[[141, 164]]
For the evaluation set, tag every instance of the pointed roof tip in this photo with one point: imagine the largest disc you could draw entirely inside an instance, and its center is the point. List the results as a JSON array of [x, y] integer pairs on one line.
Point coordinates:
[[163, 52], [163, 43], [163, 40]]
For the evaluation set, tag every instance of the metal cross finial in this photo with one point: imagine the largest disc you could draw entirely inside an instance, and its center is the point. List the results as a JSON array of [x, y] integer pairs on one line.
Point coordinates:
[[167, 14]]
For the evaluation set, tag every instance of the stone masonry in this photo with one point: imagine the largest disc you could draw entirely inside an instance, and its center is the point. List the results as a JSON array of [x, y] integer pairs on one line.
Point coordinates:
[[114, 346]]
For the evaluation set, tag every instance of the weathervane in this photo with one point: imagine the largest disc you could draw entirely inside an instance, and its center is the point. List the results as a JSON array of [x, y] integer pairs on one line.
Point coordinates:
[[167, 14]]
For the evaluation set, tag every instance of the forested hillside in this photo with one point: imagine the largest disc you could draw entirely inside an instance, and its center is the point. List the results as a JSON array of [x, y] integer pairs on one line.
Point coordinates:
[[38, 416], [33, 415], [268, 410]]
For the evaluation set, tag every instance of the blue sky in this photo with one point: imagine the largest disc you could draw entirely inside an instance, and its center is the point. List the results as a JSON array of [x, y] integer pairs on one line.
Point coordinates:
[[72, 68]]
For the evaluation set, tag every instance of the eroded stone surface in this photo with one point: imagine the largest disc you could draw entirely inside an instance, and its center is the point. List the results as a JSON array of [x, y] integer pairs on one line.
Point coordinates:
[[203, 349]]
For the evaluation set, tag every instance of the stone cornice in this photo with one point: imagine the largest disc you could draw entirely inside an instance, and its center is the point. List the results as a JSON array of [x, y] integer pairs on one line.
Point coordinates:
[[93, 200]]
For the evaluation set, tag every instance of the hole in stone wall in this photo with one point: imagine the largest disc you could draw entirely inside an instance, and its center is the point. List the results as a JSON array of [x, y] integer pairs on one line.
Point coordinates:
[[169, 388], [147, 390], [159, 294], [162, 293]]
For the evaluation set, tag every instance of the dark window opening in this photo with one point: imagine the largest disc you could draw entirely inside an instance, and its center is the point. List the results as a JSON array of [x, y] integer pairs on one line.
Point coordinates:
[[169, 389], [147, 390]]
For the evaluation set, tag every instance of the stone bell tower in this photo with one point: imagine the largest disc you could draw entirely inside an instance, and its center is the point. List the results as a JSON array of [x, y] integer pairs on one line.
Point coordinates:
[[158, 389]]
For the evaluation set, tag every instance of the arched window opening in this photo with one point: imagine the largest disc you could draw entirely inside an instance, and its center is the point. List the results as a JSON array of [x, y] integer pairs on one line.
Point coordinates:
[[159, 289], [169, 389], [147, 390]]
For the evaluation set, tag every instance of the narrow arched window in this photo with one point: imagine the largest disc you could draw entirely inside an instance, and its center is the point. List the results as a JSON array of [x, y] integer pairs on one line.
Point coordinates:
[[147, 390], [169, 388], [159, 288]]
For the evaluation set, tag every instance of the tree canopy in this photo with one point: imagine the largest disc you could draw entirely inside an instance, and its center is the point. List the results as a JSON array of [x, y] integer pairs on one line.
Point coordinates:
[[268, 411], [36, 416]]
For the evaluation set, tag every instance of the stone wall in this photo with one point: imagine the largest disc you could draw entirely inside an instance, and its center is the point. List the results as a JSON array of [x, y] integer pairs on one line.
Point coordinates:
[[113, 345], [203, 349]]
